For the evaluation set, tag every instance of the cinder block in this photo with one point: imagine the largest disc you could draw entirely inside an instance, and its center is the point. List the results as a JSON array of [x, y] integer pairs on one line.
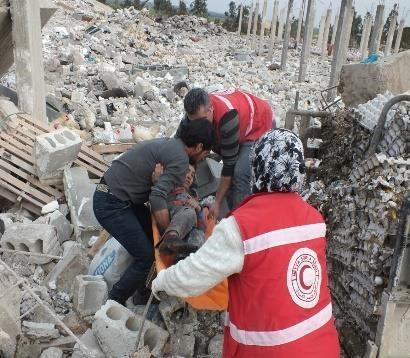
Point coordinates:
[[54, 151], [60, 222], [91, 343], [116, 329], [79, 191], [90, 293], [38, 238], [72, 264]]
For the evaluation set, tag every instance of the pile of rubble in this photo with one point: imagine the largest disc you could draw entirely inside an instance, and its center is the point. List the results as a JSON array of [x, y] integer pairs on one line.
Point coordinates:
[[361, 201], [122, 76]]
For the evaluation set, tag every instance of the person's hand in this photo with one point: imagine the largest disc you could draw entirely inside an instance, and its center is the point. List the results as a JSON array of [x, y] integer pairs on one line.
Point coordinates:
[[158, 170], [193, 204], [214, 211], [157, 289]]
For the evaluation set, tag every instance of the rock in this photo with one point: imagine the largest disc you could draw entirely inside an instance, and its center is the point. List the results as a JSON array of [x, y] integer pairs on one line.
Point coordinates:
[[40, 331], [52, 353], [215, 346], [50, 207], [142, 87]]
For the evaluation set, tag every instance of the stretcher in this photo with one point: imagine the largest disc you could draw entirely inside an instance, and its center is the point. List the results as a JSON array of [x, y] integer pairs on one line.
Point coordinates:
[[215, 299]]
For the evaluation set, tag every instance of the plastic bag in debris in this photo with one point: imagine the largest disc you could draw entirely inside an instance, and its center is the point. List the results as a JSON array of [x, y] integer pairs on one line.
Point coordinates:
[[110, 262]]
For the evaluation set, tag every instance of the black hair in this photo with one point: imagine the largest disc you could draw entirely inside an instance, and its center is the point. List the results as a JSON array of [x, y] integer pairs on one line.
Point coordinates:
[[194, 99], [198, 131]]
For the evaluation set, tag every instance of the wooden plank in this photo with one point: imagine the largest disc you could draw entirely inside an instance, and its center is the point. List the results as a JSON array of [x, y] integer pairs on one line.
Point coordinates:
[[40, 186], [112, 148], [92, 170], [17, 162], [10, 196], [18, 192], [14, 150], [92, 162], [13, 141], [25, 187], [94, 154]]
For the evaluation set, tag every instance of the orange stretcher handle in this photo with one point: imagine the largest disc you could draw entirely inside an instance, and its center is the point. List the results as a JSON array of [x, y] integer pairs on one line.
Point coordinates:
[[215, 299]]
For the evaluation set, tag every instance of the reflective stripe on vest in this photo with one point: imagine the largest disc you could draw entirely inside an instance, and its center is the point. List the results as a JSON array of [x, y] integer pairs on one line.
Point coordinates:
[[228, 103], [282, 336], [286, 236], [250, 125]]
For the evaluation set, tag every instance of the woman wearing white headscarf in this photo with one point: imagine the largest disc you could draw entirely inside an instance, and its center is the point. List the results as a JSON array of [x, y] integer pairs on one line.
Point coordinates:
[[272, 249]]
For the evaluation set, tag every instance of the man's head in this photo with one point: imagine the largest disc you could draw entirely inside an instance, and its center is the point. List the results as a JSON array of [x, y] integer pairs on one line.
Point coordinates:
[[198, 105], [189, 178], [277, 162], [198, 137]]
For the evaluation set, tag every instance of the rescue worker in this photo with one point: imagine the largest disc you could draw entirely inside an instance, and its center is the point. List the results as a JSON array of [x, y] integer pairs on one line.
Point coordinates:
[[119, 199], [239, 118], [272, 249]]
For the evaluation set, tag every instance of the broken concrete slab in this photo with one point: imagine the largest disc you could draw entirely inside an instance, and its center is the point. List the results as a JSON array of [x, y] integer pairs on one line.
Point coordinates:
[[9, 313], [89, 340], [116, 329], [360, 82], [53, 152], [63, 274], [36, 238], [40, 331], [89, 294], [183, 345], [79, 191]]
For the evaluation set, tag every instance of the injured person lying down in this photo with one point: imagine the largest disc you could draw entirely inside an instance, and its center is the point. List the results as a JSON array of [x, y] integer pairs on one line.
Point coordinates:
[[184, 234]]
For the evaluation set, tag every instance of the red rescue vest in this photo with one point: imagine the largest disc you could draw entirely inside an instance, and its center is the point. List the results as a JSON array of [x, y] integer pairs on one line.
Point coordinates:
[[279, 304], [255, 115]]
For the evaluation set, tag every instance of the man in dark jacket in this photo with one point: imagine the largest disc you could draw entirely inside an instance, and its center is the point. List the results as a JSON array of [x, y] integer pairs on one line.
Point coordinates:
[[119, 201]]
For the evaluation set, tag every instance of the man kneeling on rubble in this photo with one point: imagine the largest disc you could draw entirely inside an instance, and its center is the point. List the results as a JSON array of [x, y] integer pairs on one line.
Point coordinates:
[[272, 249], [119, 200]]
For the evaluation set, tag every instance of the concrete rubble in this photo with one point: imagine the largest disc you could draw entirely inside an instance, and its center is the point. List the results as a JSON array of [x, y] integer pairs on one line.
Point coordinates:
[[114, 78]]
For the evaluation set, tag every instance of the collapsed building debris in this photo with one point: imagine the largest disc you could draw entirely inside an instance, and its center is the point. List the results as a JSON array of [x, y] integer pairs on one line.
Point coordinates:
[[114, 78], [361, 201]]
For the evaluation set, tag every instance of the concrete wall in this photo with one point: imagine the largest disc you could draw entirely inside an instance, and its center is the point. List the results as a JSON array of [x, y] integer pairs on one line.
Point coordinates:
[[360, 83]]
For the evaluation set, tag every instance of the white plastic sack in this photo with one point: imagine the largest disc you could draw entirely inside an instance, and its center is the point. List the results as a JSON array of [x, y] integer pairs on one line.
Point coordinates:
[[110, 262]]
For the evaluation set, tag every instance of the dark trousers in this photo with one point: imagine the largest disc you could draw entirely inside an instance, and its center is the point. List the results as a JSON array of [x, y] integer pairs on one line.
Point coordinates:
[[131, 226]]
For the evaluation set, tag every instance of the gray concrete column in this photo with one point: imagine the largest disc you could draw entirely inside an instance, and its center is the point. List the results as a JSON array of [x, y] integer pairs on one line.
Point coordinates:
[[240, 20], [285, 47], [326, 32], [364, 42], [307, 39], [273, 28], [332, 41], [28, 57], [262, 34], [398, 37], [348, 31], [280, 28], [248, 33], [340, 51], [300, 20], [321, 29], [377, 30], [255, 25], [390, 34]]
